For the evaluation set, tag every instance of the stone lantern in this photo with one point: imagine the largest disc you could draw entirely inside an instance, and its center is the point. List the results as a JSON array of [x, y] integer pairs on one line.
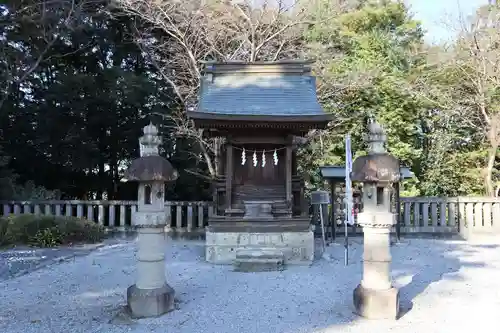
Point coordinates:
[[151, 295], [375, 297]]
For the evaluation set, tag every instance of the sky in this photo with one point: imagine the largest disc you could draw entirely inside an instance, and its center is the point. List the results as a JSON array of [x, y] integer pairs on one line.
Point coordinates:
[[441, 17]]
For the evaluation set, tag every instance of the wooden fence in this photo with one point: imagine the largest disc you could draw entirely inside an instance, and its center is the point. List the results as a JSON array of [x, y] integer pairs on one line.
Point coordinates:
[[466, 215]]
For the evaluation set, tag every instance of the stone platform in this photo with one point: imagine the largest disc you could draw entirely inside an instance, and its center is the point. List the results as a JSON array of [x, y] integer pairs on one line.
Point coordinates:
[[296, 247]]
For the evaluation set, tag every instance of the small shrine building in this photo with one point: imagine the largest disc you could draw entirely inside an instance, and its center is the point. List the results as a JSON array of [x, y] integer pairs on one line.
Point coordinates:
[[261, 111]]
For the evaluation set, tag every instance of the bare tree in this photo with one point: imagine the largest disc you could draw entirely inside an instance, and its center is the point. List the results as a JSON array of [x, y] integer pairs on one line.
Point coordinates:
[[477, 56], [182, 33], [465, 81]]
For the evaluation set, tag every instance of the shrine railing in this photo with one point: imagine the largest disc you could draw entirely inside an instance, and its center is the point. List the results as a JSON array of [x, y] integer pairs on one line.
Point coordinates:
[[466, 215], [115, 215]]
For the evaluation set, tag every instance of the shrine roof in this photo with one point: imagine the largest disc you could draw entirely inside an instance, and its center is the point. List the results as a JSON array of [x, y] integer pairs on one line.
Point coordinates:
[[237, 90]]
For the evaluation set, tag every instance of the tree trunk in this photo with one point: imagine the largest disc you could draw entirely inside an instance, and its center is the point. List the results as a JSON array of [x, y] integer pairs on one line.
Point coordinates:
[[217, 146], [208, 159], [492, 152], [102, 179], [113, 175]]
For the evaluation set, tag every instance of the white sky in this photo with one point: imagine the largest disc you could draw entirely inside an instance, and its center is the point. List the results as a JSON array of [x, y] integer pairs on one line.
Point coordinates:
[[441, 17]]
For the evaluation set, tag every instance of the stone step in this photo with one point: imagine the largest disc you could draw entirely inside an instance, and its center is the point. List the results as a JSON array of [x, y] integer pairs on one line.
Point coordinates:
[[258, 260]]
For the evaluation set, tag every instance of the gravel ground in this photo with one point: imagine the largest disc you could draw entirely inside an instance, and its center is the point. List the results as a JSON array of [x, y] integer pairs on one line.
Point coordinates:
[[23, 260], [446, 286]]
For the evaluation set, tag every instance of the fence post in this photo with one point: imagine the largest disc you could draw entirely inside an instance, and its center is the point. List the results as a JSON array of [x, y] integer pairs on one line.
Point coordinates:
[[6, 209], [496, 217], [111, 217], [100, 215], [79, 211], [452, 213], [189, 222], [201, 216]]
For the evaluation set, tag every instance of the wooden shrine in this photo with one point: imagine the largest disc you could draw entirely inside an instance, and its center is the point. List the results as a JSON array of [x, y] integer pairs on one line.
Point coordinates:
[[261, 111]]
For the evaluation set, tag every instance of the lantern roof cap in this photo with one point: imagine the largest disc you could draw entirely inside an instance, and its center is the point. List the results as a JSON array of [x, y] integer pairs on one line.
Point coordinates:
[[150, 166], [378, 166]]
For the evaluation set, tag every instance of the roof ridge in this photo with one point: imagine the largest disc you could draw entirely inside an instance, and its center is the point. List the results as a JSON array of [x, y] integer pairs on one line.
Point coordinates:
[[289, 66]]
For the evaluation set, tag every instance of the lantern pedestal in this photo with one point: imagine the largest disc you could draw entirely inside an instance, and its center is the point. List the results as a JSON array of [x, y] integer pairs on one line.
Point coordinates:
[[144, 303], [375, 297], [150, 296], [376, 304]]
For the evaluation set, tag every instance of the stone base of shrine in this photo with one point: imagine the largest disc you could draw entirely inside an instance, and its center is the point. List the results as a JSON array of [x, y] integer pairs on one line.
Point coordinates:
[[296, 247]]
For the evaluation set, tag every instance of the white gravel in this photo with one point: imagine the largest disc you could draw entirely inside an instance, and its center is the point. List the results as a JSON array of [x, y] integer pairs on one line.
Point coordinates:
[[453, 287]]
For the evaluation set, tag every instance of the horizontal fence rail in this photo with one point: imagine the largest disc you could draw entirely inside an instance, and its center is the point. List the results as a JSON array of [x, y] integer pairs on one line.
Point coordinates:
[[183, 215], [466, 215]]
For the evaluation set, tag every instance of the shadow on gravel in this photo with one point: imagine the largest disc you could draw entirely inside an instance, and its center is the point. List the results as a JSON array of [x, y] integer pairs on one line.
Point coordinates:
[[448, 258]]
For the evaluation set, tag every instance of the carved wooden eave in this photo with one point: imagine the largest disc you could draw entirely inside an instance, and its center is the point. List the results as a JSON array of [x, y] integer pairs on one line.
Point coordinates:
[[218, 122]]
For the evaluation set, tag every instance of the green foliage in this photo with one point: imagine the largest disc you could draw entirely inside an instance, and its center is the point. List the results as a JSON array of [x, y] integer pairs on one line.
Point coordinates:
[[47, 231], [30, 191], [7, 176], [46, 238], [368, 74], [371, 63]]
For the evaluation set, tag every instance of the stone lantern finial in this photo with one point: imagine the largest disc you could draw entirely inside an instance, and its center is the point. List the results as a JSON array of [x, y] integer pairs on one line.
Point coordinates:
[[150, 142], [376, 138]]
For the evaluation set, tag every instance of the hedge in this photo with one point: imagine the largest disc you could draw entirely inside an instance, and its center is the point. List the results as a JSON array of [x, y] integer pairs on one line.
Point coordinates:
[[47, 230]]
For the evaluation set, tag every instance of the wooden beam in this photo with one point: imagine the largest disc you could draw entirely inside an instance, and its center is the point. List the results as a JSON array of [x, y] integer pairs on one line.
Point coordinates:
[[229, 174], [288, 173], [258, 140]]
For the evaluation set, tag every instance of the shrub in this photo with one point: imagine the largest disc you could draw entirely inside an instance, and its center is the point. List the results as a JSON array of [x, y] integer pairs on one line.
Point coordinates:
[[47, 231]]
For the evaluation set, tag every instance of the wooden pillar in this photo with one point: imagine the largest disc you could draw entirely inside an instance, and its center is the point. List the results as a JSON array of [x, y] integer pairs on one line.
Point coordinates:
[[229, 174], [397, 198], [333, 219], [217, 166], [304, 207], [288, 173]]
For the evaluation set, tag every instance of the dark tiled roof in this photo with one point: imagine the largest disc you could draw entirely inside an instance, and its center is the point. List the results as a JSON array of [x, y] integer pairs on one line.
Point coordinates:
[[259, 94]]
